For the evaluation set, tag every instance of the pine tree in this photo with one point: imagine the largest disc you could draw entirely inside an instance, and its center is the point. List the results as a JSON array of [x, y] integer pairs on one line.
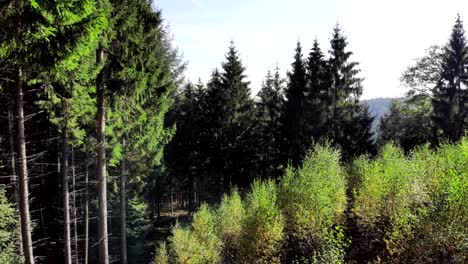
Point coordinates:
[[229, 110], [318, 82], [37, 38], [268, 125], [295, 144], [450, 95], [345, 89]]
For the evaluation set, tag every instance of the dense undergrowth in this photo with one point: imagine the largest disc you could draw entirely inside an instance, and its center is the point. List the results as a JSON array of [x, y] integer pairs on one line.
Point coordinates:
[[395, 208]]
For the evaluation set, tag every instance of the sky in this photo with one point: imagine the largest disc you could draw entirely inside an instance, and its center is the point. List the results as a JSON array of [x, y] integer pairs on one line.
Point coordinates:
[[384, 36]]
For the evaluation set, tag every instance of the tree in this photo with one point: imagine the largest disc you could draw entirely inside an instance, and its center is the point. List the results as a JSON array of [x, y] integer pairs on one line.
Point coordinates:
[[38, 37], [229, 111], [318, 81], [345, 114], [295, 144], [239, 117], [141, 73], [268, 125], [450, 94], [398, 125], [423, 76]]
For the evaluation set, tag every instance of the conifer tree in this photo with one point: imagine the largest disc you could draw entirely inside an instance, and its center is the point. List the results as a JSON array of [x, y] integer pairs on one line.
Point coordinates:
[[450, 94], [268, 125], [316, 104], [231, 113], [37, 37], [295, 145], [345, 111], [141, 71]]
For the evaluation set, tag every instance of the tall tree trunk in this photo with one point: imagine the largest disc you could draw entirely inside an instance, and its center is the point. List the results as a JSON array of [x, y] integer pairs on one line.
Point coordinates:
[[123, 211], [66, 198], [101, 164], [23, 173], [75, 215], [14, 177], [86, 213]]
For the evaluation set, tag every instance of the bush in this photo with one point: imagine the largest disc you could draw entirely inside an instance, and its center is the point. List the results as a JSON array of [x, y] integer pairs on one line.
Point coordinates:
[[384, 200], [442, 233], [198, 244], [162, 256], [408, 205], [403, 209], [313, 200], [262, 231], [230, 216]]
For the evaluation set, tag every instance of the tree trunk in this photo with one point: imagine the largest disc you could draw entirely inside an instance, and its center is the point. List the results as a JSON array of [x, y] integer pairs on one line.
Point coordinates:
[[172, 203], [86, 214], [101, 165], [23, 174], [66, 198], [14, 177], [75, 215], [123, 212]]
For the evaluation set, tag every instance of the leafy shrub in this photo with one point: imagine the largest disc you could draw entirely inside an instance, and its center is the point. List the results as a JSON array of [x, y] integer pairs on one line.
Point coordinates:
[[414, 204], [384, 201], [262, 231], [230, 216], [162, 256], [442, 233], [198, 244], [313, 200]]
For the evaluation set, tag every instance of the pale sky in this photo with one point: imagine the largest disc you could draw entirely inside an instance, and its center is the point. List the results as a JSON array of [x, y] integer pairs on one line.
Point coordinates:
[[385, 36]]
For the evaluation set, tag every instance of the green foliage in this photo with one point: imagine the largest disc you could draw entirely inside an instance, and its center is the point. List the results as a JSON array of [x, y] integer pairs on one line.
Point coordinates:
[[313, 200], [296, 141], [449, 95], [414, 204], [398, 124], [198, 244], [162, 256], [385, 195], [9, 232], [401, 205], [268, 125], [262, 233], [230, 218], [442, 228]]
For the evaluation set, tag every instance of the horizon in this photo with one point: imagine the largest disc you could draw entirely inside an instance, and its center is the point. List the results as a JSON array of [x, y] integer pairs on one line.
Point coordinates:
[[202, 30]]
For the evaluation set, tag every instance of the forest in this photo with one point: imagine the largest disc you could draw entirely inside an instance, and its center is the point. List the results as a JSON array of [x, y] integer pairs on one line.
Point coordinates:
[[109, 155]]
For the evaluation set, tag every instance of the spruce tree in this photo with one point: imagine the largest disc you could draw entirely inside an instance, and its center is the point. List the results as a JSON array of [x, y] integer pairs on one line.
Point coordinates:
[[316, 104], [38, 37], [345, 111], [141, 73], [450, 94], [295, 143], [268, 125]]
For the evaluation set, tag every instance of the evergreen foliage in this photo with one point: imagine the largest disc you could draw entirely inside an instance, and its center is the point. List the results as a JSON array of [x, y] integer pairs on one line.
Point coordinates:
[[9, 232], [398, 125], [269, 125], [450, 98], [294, 145]]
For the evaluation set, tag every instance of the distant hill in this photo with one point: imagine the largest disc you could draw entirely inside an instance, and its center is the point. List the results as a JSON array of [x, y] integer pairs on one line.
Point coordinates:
[[378, 107]]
